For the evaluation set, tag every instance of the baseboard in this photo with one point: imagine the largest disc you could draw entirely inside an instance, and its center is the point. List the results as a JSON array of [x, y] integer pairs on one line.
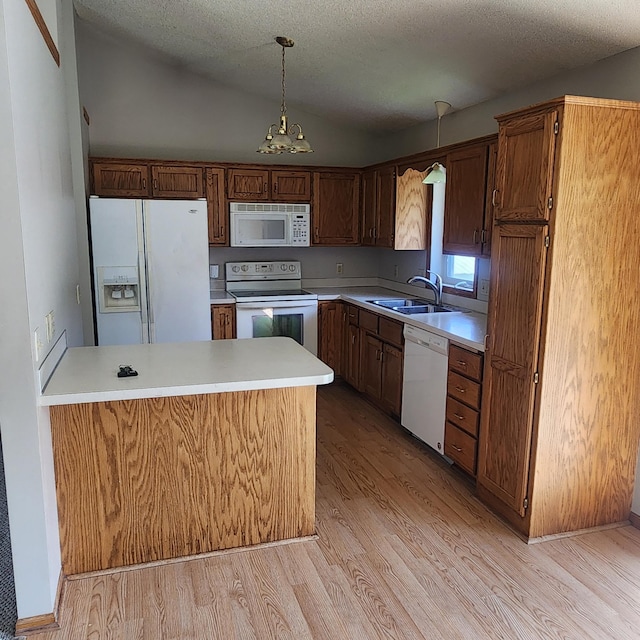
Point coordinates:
[[45, 621], [579, 532], [634, 519]]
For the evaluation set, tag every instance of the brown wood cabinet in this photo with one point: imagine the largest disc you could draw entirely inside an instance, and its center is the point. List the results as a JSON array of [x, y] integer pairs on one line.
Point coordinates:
[[464, 385], [489, 207], [217, 213], [331, 329], [336, 208], [465, 201], [379, 207], [141, 180], [223, 321], [559, 429], [374, 348], [268, 184], [413, 210], [120, 180]]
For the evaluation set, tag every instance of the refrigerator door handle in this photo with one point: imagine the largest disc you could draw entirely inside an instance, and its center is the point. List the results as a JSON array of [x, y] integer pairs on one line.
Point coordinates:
[[142, 273]]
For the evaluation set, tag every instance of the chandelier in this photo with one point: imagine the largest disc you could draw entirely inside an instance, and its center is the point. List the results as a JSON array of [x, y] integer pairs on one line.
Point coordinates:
[[282, 140]]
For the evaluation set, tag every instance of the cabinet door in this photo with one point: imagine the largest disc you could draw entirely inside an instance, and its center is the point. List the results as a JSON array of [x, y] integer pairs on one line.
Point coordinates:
[[371, 366], [391, 391], [248, 184], [385, 206], [176, 182], [121, 180], [464, 201], [217, 214], [330, 339], [291, 186], [515, 311], [526, 148], [413, 210], [223, 326], [352, 356], [336, 208], [369, 183], [489, 206]]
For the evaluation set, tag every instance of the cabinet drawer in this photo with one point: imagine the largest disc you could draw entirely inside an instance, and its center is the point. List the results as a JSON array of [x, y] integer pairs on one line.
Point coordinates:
[[390, 330], [462, 416], [465, 362], [460, 447], [463, 389], [354, 314], [368, 321]]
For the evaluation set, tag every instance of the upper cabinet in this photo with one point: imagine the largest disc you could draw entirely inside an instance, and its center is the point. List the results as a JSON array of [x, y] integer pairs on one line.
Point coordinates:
[[120, 180], [336, 208], [465, 224], [413, 210], [217, 213], [268, 184], [139, 180], [378, 207], [523, 182]]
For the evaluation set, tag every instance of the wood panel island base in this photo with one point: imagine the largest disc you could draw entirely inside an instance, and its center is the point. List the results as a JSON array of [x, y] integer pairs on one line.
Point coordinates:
[[154, 478]]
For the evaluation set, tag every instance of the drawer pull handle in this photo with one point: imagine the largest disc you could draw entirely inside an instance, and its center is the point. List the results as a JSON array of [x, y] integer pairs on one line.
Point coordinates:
[[457, 415], [460, 389], [458, 449], [462, 363]]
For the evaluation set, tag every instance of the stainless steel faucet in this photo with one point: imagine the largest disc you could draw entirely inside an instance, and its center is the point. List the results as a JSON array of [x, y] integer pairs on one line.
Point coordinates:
[[436, 288]]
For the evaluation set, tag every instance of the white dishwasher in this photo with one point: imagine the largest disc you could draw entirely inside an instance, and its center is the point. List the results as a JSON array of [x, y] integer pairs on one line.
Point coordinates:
[[424, 388]]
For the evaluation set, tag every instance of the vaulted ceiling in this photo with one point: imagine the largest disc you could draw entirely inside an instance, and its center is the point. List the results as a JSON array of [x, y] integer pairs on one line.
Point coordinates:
[[375, 64]]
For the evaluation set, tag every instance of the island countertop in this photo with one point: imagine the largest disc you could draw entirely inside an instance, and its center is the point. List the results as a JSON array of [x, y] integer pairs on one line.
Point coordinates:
[[89, 374]]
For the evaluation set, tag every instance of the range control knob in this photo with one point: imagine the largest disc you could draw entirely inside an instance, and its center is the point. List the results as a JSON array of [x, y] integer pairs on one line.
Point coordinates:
[[283, 267], [235, 269], [245, 267], [292, 267]]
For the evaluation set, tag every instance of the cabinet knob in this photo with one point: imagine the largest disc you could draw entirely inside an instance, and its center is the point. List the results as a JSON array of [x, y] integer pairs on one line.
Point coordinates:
[[457, 415], [265, 187], [275, 187], [494, 198], [462, 363], [475, 236], [155, 184], [460, 389], [458, 449], [144, 183]]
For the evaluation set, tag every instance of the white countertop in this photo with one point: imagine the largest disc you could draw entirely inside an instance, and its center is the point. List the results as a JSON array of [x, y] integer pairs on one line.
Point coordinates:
[[219, 296], [88, 374], [464, 328]]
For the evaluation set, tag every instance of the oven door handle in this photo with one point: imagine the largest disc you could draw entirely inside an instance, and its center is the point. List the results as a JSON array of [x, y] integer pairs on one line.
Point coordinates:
[[277, 305]]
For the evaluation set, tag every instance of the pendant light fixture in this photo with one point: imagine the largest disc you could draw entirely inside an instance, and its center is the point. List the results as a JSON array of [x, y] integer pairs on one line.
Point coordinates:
[[436, 172], [282, 140]]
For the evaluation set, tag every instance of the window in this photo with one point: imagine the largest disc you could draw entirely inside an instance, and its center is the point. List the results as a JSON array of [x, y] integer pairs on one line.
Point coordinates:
[[459, 273]]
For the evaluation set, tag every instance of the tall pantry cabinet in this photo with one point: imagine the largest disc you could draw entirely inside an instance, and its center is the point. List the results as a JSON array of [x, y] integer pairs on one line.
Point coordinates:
[[561, 400]]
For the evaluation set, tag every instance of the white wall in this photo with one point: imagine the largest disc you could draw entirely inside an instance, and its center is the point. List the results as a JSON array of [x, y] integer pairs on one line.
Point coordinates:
[[38, 260]]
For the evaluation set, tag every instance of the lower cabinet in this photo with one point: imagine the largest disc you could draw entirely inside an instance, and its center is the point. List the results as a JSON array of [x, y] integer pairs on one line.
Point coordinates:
[[464, 390], [223, 321], [373, 355], [331, 327]]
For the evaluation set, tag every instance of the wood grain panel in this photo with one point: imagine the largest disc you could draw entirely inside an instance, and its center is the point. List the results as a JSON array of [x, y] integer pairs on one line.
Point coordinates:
[[331, 327], [460, 447], [390, 330], [223, 321], [368, 320], [121, 180], [412, 210], [513, 326], [526, 149], [465, 362], [463, 389], [145, 480], [217, 211], [336, 208], [177, 182], [391, 386], [291, 186], [368, 204], [385, 206], [248, 184], [462, 416], [588, 428]]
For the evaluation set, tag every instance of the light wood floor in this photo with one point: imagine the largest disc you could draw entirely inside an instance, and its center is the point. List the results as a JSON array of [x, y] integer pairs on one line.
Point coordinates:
[[404, 550]]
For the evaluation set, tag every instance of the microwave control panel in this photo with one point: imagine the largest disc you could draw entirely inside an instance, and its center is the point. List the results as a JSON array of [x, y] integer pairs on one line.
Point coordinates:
[[300, 230]]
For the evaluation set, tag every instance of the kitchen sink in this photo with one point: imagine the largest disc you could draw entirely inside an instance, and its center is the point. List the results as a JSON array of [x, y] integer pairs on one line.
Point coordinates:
[[410, 306], [402, 302]]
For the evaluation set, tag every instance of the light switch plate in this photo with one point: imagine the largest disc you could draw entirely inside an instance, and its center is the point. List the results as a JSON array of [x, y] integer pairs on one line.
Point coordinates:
[[214, 271]]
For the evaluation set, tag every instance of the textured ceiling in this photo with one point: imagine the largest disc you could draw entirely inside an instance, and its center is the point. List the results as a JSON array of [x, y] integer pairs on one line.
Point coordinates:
[[375, 64]]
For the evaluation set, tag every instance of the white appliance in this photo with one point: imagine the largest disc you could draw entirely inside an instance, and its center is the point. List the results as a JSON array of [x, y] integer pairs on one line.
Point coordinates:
[[424, 386], [150, 270], [271, 302], [268, 224]]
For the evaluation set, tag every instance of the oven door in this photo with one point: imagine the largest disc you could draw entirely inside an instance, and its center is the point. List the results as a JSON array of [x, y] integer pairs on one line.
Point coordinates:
[[297, 320]]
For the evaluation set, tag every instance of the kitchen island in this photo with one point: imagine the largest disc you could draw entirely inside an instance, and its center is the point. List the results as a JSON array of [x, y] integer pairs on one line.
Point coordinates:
[[211, 446]]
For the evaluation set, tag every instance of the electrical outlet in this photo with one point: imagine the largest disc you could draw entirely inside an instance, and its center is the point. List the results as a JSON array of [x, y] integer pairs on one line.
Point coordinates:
[[214, 271], [50, 326], [37, 343], [339, 268], [484, 286], [395, 271]]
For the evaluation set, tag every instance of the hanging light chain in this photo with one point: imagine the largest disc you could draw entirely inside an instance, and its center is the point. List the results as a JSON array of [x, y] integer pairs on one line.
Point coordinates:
[[283, 106]]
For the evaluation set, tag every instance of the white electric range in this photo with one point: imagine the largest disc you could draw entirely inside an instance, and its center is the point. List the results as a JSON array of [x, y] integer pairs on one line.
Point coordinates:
[[271, 302]]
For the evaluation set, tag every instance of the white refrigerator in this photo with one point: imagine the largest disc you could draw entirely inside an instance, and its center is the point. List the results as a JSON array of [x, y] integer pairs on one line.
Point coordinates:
[[150, 270]]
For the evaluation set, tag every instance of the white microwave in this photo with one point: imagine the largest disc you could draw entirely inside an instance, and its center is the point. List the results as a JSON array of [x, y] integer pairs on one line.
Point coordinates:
[[269, 224]]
